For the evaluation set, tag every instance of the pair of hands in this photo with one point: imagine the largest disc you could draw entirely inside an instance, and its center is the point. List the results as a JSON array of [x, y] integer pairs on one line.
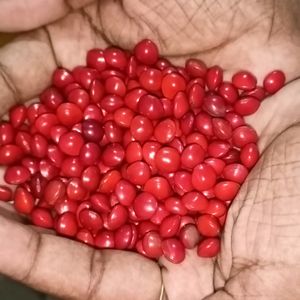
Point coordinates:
[[261, 242]]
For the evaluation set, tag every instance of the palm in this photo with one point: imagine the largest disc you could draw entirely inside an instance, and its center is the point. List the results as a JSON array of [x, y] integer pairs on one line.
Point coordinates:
[[259, 228]]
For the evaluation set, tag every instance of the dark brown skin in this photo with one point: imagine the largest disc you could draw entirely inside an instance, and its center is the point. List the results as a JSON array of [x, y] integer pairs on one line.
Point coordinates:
[[261, 243]]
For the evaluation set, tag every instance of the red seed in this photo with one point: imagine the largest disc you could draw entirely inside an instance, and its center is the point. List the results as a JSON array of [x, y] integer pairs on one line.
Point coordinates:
[[216, 163], [218, 148], [123, 236], [152, 244], [222, 128], [62, 77], [95, 59], [194, 201], [115, 85], [16, 174], [274, 81], [169, 226], [235, 172], [23, 201], [181, 105], [159, 187], [145, 205], [246, 106], [214, 78], [132, 98], [243, 135], [226, 190], [189, 236], [228, 92], [133, 152], [90, 220], [214, 105], [182, 182], [123, 117], [172, 84], [5, 193], [141, 128], [215, 207], [209, 247], [150, 107], [234, 119], [151, 79], [39, 146], [117, 217], [72, 167], [109, 181], [115, 57], [85, 236], [173, 250], [92, 130], [7, 134], [105, 239], [54, 191], [89, 154], [203, 177], [196, 95], [69, 114], [165, 131], [138, 172], [125, 192], [42, 217], [17, 115], [244, 80], [203, 123], [10, 154], [146, 52], [175, 206], [192, 155], [66, 224], [208, 226], [195, 67], [249, 155], [70, 143], [167, 159]]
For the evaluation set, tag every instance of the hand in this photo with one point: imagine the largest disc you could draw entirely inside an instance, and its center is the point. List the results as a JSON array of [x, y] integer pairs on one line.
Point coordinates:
[[260, 245]]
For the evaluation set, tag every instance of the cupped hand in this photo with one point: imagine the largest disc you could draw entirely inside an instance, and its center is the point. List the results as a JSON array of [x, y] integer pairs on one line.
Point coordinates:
[[261, 243]]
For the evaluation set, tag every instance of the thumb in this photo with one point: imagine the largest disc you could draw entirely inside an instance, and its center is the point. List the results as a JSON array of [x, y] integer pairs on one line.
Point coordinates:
[[25, 15]]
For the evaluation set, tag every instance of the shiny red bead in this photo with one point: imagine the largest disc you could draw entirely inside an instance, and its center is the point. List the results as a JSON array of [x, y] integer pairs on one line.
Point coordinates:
[[249, 155], [23, 201], [42, 217], [209, 247], [274, 81], [173, 250], [16, 174], [145, 205], [208, 225], [146, 52], [172, 84], [5, 193], [244, 80], [204, 177]]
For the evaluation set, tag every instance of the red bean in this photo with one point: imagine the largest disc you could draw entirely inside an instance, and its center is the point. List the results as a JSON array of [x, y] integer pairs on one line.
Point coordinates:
[[249, 155], [123, 236], [5, 193], [209, 247], [146, 52], [42, 217], [235, 172], [215, 207], [105, 239], [203, 123], [85, 236], [62, 77], [132, 98], [16, 174], [133, 152], [203, 177], [7, 133], [246, 106], [182, 182], [90, 220], [141, 128], [72, 167], [159, 187], [54, 191], [95, 59], [196, 95], [167, 159], [164, 131], [125, 192], [226, 190], [175, 206], [115, 57], [115, 85], [151, 79], [216, 163], [109, 181], [259, 93], [92, 130], [234, 119], [23, 201], [228, 91], [169, 226], [243, 135], [152, 244], [10, 154], [214, 78], [214, 105], [218, 148], [194, 201], [192, 155], [145, 205], [244, 80], [222, 128], [173, 250], [69, 114], [274, 81], [195, 67], [117, 217], [123, 117], [208, 225], [70, 143], [138, 172], [189, 236], [172, 84], [66, 224], [51, 97], [150, 107]]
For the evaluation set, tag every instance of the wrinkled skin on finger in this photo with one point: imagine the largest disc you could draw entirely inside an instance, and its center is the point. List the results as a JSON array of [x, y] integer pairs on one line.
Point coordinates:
[[260, 244]]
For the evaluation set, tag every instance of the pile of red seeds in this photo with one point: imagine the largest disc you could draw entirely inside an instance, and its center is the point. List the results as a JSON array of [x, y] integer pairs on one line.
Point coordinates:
[[131, 152]]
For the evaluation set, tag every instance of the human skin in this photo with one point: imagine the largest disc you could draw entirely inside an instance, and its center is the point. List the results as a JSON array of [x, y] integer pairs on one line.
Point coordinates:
[[260, 251]]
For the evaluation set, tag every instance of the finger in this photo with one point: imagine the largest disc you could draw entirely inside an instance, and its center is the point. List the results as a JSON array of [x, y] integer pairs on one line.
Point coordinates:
[[191, 279], [25, 15], [26, 64], [71, 270]]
